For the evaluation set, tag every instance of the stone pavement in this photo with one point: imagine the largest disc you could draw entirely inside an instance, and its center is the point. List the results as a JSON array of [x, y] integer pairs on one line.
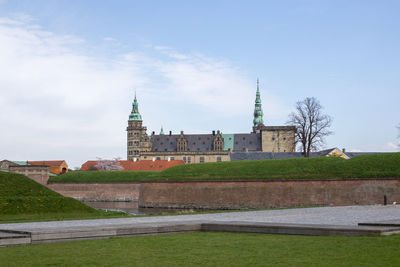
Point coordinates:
[[315, 221]]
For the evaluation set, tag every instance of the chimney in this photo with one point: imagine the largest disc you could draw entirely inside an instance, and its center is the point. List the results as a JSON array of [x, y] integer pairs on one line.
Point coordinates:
[[218, 132], [152, 133], [344, 150], [181, 132], [170, 133], [213, 132]]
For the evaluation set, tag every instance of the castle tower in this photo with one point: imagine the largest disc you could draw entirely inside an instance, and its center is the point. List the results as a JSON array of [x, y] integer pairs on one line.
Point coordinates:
[[138, 141], [258, 113]]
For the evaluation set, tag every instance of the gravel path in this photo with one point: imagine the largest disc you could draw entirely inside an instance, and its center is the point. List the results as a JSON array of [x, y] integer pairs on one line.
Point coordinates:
[[348, 215]]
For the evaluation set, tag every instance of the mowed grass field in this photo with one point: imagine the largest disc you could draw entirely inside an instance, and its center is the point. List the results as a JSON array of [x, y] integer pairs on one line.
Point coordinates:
[[22, 199], [366, 166], [211, 249]]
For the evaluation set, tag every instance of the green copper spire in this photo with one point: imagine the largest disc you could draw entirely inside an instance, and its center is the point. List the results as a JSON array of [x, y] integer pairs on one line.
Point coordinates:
[[162, 131], [135, 115], [258, 114]]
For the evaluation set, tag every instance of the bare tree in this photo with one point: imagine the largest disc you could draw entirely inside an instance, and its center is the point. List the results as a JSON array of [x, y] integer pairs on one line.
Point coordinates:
[[312, 126], [108, 165]]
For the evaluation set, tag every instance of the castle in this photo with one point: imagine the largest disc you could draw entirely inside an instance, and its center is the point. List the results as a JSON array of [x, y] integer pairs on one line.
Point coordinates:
[[213, 147]]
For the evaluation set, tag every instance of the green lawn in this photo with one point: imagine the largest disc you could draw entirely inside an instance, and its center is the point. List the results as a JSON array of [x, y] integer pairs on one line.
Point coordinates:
[[22, 199], [211, 249], [365, 166]]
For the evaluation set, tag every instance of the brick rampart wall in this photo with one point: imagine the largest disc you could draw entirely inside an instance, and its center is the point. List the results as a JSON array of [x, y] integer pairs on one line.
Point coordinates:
[[268, 194], [98, 191]]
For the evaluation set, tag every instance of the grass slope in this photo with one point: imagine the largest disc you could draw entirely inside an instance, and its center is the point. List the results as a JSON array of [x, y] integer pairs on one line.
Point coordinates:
[[365, 166], [211, 249], [24, 199]]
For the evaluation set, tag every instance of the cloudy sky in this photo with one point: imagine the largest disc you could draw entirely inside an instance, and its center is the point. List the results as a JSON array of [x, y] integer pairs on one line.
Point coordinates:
[[68, 70]]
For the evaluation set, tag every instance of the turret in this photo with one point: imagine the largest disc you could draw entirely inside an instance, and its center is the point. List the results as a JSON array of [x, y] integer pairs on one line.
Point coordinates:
[[135, 115], [258, 113]]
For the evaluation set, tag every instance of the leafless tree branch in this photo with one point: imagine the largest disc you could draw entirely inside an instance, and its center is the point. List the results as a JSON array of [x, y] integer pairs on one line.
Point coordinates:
[[312, 126]]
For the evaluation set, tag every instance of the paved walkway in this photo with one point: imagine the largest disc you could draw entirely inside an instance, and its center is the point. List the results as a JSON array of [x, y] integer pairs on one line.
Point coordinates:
[[347, 216]]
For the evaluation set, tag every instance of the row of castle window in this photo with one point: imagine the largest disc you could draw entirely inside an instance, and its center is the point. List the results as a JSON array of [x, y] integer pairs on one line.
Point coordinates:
[[273, 138], [135, 152], [133, 134], [136, 143]]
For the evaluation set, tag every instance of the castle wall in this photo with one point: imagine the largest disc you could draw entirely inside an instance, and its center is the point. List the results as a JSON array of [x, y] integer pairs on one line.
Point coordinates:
[[268, 194], [98, 191], [278, 139], [195, 157]]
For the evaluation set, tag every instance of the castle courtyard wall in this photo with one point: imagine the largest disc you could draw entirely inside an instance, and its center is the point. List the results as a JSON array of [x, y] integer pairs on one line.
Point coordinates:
[[268, 194], [98, 191], [239, 194]]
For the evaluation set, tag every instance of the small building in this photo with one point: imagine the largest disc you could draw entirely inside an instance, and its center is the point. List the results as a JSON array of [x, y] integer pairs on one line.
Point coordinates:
[[38, 173], [141, 165], [57, 167]]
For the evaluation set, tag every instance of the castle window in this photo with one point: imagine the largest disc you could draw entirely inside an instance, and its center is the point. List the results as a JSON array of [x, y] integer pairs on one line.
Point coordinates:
[[198, 149], [194, 143], [171, 158], [230, 138], [273, 138], [158, 158], [130, 152], [236, 143], [204, 143], [201, 159], [170, 143], [129, 143], [158, 139], [136, 152], [244, 138], [165, 149], [199, 138], [162, 143], [189, 160], [219, 159], [184, 159], [284, 138], [250, 142], [156, 149]]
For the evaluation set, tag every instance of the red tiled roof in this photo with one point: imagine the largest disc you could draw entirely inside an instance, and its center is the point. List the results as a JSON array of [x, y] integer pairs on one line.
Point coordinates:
[[141, 165], [50, 163]]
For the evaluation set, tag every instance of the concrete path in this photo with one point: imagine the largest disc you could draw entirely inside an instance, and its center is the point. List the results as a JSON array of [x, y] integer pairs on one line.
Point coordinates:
[[329, 220]]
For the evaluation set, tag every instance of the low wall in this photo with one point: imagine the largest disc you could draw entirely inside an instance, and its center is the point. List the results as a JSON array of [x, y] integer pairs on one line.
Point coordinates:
[[98, 191], [268, 194]]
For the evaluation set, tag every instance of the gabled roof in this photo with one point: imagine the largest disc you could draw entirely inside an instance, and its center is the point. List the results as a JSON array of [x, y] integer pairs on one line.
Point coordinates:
[[235, 156], [50, 163], [20, 163], [141, 165]]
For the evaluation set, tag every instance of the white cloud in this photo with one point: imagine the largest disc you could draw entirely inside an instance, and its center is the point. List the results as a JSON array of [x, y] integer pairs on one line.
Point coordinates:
[[56, 101], [390, 146]]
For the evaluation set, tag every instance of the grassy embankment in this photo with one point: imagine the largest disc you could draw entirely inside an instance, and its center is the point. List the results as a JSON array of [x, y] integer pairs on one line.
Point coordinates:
[[365, 166], [22, 199], [211, 249]]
